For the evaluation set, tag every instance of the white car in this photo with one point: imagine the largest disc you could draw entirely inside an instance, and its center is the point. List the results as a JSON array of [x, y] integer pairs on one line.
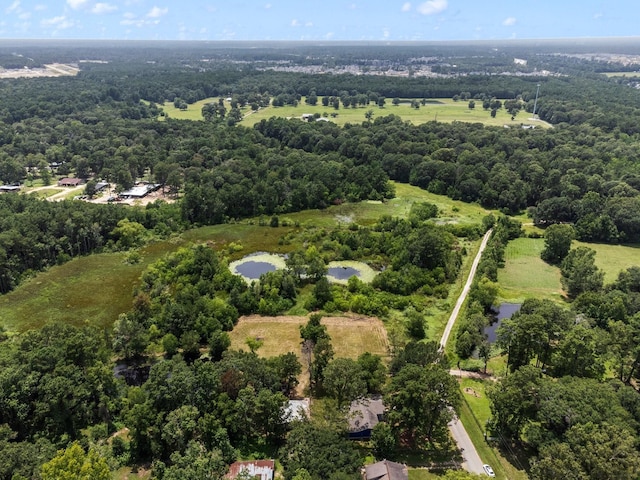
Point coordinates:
[[488, 470]]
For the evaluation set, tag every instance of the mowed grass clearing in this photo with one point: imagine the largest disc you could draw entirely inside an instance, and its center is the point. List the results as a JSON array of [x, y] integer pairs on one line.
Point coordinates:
[[612, 259], [525, 275], [439, 109], [350, 337], [436, 109]]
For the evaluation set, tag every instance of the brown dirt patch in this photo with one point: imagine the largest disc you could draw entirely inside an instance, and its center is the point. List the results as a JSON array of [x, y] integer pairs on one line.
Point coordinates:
[[351, 336]]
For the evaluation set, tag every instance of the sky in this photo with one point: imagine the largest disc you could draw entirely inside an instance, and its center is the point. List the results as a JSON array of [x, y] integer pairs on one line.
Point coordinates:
[[313, 20]]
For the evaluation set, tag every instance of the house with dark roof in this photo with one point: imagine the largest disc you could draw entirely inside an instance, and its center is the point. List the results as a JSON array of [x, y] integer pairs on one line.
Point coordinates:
[[258, 469], [386, 470], [365, 414], [70, 182]]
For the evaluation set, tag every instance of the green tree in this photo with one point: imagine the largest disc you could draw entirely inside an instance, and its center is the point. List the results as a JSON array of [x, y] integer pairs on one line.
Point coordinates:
[[130, 337], [374, 372], [557, 243], [321, 451], [421, 401], [416, 327], [343, 381], [383, 440], [579, 272], [73, 463]]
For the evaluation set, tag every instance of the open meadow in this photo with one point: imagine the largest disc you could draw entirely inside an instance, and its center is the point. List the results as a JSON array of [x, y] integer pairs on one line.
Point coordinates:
[[438, 109], [525, 275]]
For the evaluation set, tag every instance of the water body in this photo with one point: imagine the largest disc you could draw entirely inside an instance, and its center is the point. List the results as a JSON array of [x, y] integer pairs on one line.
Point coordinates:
[[505, 310], [253, 269], [343, 273]]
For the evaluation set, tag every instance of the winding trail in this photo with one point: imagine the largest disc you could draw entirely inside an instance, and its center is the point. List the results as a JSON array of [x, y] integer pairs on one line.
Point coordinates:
[[472, 462]]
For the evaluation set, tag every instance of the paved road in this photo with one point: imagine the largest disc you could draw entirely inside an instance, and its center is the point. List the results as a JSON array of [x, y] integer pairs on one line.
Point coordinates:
[[472, 462]]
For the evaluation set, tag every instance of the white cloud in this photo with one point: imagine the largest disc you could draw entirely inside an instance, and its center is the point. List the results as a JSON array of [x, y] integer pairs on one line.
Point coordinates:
[[432, 7], [295, 22], [101, 8], [509, 21], [77, 4], [598, 15], [308, 24], [14, 7], [386, 33], [157, 12], [267, 6], [40, 7], [60, 22], [406, 7], [329, 35], [25, 16]]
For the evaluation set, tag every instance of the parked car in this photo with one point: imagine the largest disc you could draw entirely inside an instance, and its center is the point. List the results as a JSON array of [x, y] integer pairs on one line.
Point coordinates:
[[488, 470]]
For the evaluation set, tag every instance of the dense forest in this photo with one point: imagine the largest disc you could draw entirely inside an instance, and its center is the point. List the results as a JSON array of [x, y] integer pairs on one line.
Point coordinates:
[[188, 405]]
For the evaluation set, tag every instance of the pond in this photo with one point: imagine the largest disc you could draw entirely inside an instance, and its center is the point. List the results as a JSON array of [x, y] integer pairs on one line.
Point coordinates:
[[251, 266], [343, 273], [253, 269], [505, 310]]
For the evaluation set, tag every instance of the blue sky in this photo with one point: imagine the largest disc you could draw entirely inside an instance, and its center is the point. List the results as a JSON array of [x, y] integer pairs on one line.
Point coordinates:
[[370, 20]]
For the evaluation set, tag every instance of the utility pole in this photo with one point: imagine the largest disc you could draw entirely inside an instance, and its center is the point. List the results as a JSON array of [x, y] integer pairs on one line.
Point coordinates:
[[535, 103]]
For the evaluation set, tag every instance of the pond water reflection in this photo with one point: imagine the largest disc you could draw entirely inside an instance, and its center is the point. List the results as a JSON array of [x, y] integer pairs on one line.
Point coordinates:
[[505, 310], [343, 273], [253, 269]]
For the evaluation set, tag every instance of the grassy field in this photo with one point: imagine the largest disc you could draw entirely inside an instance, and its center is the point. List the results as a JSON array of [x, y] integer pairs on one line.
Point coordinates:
[[440, 109], [622, 74], [350, 337], [611, 259], [525, 275]]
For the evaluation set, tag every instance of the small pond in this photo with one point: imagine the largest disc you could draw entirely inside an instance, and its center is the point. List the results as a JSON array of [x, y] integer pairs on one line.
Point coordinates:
[[505, 310], [343, 273], [251, 266], [132, 372], [253, 269]]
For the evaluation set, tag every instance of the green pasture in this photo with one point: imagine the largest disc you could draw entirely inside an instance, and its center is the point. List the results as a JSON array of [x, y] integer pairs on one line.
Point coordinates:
[[612, 259], [525, 275], [622, 74], [440, 109], [44, 193]]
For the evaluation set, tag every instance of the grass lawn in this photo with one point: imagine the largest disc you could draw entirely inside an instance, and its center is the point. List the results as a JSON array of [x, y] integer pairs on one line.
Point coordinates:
[[525, 275], [440, 109], [47, 192], [350, 337], [612, 259]]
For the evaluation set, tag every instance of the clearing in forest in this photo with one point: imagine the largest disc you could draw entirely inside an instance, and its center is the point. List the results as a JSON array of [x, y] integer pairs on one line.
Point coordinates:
[[350, 336]]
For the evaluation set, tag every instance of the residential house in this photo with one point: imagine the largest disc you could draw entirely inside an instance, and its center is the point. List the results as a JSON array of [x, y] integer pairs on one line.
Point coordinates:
[[386, 470], [365, 414], [258, 469]]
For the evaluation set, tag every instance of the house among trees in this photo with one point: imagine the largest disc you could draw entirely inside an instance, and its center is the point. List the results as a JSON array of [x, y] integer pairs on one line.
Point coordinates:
[[297, 410], [364, 414], [140, 191], [258, 469], [101, 186], [70, 182], [386, 470], [9, 188]]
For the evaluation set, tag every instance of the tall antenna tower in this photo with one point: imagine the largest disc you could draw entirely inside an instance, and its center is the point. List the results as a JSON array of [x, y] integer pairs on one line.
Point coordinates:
[[535, 103]]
